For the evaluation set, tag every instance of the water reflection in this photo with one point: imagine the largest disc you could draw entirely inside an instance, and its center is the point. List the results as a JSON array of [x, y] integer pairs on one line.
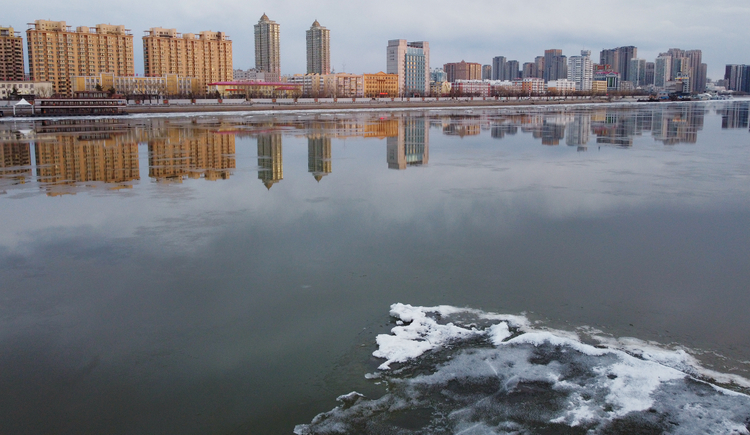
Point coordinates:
[[185, 152], [62, 155], [270, 162]]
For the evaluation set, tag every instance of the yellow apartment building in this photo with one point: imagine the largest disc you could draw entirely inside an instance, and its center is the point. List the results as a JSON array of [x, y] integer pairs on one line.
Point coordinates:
[[206, 57], [11, 54], [57, 53], [381, 85]]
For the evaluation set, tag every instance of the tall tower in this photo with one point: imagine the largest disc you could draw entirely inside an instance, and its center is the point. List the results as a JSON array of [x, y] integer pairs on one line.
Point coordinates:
[[267, 48], [318, 49], [57, 53], [11, 55]]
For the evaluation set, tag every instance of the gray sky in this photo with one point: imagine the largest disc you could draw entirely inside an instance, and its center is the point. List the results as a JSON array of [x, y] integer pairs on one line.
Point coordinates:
[[474, 31]]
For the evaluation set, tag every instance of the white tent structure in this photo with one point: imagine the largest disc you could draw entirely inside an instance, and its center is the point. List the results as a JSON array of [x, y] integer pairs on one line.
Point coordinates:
[[23, 103]]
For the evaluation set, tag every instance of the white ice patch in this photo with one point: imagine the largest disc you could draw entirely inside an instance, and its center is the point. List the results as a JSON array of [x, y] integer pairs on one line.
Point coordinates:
[[420, 334], [496, 374]]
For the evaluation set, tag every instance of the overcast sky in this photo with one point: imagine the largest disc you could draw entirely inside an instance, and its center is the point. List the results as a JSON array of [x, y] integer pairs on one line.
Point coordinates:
[[474, 31]]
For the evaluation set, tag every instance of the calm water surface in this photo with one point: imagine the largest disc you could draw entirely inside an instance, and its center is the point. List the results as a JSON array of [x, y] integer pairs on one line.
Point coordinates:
[[229, 274]]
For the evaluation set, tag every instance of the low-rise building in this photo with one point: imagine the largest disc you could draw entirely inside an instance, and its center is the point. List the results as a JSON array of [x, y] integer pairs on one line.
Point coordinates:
[[530, 85], [166, 85], [256, 89], [599, 86], [25, 89], [439, 89], [247, 75], [380, 85], [561, 86]]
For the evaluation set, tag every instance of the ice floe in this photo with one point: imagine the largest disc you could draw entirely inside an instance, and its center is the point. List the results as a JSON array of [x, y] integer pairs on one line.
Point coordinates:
[[462, 371]]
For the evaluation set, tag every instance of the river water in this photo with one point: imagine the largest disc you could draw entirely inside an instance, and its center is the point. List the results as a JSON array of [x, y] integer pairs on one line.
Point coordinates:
[[569, 268]]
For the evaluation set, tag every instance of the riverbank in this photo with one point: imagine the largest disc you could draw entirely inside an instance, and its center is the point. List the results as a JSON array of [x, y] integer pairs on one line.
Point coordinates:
[[341, 105]]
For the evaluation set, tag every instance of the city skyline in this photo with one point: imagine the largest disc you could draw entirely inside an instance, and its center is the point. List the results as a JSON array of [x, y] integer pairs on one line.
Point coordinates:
[[358, 44]]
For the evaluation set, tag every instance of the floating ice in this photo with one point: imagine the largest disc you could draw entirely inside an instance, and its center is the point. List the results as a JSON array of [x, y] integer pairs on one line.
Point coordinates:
[[463, 371]]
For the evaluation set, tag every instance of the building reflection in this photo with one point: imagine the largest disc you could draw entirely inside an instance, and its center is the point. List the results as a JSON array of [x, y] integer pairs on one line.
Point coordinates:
[[183, 152], [735, 115], [578, 131], [68, 152], [270, 164], [319, 156], [677, 124], [15, 162], [411, 147]]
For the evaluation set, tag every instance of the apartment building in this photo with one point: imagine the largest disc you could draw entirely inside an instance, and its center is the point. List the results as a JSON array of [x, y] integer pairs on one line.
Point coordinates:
[[57, 53], [205, 57]]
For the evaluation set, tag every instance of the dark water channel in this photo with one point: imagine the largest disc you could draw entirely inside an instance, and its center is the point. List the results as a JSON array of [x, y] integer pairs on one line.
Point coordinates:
[[228, 274]]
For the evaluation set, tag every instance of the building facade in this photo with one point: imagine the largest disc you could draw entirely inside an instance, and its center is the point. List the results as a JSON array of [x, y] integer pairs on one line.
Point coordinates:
[[267, 52], [11, 55], [205, 57], [486, 72], [637, 72], [250, 74], [581, 70], [381, 85], [25, 89], [463, 71], [555, 65], [318, 49], [662, 70], [410, 61], [618, 59], [57, 53], [169, 85], [737, 78]]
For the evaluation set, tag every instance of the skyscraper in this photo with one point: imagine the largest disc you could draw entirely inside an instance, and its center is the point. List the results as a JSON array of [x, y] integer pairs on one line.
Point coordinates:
[[619, 59], [319, 156], [581, 70], [486, 72], [267, 51], [11, 55], [57, 53], [411, 62], [662, 70], [498, 67], [555, 65], [318, 49], [637, 72], [512, 71], [688, 63]]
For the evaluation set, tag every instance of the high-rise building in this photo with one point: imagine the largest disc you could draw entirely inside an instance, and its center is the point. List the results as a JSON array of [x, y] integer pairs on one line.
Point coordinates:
[[539, 67], [512, 70], [498, 67], [619, 59], [463, 71], [737, 78], [555, 65], [688, 63], [662, 70], [486, 72], [206, 57], [11, 54], [318, 49], [650, 70], [529, 70], [267, 53], [57, 53], [581, 70], [411, 62], [637, 72]]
